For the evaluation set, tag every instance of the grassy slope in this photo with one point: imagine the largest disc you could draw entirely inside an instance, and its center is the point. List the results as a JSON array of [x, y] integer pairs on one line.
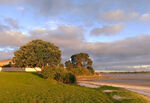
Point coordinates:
[[31, 88]]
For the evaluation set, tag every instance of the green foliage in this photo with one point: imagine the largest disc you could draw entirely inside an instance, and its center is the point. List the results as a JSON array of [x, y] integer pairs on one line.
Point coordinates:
[[48, 72], [91, 69], [37, 53], [67, 78], [80, 64], [80, 71], [81, 60], [59, 74], [68, 64]]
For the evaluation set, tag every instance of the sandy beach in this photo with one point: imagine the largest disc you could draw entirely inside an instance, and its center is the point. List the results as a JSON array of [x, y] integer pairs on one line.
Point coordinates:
[[138, 82]]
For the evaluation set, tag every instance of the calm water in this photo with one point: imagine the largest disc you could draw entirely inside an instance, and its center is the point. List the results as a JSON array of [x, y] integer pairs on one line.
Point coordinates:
[[137, 79]]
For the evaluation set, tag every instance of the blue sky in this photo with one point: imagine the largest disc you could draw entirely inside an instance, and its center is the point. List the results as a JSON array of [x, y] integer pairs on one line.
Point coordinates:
[[98, 27]]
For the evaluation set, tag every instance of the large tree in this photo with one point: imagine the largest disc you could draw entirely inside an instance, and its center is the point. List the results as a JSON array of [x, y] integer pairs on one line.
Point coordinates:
[[37, 53]]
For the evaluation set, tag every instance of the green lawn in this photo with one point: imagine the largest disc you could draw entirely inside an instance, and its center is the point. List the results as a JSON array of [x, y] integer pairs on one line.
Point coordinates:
[[17, 87]]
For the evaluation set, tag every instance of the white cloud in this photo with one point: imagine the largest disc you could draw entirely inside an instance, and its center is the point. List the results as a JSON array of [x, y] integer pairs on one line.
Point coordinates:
[[20, 8], [62, 35], [118, 16], [12, 38], [131, 50], [145, 18], [108, 30]]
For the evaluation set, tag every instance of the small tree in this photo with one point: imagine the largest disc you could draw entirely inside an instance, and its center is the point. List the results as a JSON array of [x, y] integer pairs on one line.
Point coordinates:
[[81, 60], [37, 53]]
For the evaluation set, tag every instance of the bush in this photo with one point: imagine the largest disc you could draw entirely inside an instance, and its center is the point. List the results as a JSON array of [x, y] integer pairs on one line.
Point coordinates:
[[58, 77], [69, 78], [48, 72], [59, 74]]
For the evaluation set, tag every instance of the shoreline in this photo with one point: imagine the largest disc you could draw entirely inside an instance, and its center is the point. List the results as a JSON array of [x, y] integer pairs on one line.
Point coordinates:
[[145, 91]]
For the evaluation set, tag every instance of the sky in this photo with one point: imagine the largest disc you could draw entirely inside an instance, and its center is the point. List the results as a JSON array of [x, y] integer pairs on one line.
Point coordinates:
[[115, 33]]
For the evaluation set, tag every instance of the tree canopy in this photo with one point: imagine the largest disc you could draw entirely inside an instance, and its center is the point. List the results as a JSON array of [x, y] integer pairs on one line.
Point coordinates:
[[80, 64], [79, 60], [37, 53]]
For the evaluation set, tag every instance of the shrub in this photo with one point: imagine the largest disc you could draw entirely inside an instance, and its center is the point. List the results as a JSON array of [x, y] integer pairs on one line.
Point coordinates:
[[69, 78], [59, 74], [58, 77], [48, 72]]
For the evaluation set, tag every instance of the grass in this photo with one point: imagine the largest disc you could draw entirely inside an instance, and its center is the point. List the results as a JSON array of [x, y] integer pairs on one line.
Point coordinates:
[[18, 87]]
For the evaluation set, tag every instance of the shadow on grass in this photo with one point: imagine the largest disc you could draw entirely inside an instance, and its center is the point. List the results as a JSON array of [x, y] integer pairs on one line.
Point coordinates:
[[37, 74]]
